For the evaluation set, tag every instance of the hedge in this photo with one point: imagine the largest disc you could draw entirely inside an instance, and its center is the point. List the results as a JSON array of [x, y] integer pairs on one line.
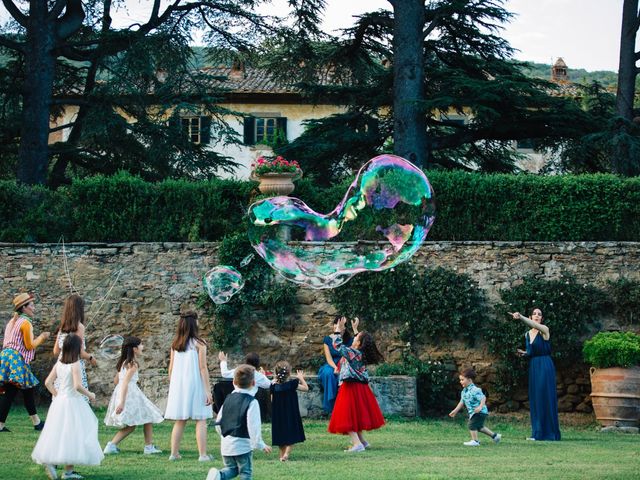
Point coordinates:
[[469, 207]]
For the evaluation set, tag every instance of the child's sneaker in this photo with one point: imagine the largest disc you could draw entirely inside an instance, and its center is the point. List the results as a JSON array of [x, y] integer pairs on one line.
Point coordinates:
[[173, 458], [472, 443], [205, 458], [496, 438], [356, 448], [51, 471], [151, 449], [72, 474], [214, 474], [111, 449]]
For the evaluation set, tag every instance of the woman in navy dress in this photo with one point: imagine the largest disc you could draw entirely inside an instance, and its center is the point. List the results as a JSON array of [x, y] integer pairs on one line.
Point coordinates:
[[543, 400], [328, 373], [286, 424]]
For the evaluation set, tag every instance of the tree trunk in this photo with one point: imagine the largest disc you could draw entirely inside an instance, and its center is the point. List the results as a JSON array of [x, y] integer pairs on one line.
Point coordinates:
[[627, 68], [39, 77], [409, 123]]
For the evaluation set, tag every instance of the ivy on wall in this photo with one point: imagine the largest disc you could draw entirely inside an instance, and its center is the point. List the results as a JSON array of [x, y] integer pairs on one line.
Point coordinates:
[[263, 296], [570, 309], [431, 305]]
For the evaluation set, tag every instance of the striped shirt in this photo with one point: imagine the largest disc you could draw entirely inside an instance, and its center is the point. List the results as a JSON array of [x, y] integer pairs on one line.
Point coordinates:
[[17, 336]]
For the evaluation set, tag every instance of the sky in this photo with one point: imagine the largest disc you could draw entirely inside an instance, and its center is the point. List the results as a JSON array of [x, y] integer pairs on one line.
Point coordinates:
[[585, 33]]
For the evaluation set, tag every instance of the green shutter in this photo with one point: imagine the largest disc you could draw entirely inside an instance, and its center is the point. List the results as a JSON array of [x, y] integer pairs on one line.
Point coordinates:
[[249, 130], [281, 124], [205, 130]]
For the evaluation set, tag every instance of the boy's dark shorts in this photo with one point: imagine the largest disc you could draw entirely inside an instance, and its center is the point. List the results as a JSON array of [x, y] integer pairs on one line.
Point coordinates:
[[476, 422]]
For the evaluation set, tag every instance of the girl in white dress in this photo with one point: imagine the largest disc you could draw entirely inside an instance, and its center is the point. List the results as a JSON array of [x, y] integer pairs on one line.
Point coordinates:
[[70, 435], [189, 387], [73, 322], [130, 407]]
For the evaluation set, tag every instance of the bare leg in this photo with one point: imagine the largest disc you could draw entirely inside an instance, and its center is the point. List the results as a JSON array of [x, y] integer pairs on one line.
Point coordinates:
[[361, 437], [201, 436], [122, 434], [283, 449], [287, 451], [148, 433], [355, 439], [474, 435], [486, 431], [176, 436]]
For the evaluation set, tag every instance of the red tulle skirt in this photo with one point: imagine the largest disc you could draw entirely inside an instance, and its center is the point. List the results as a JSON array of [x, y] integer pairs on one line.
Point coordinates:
[[356, 409]]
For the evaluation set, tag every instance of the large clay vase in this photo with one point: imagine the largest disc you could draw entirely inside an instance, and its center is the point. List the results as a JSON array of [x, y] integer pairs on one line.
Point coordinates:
[[615, 394], [277, 183]]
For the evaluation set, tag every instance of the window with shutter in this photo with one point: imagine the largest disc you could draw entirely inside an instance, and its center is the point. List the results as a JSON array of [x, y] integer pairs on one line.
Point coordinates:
[[265, 130]]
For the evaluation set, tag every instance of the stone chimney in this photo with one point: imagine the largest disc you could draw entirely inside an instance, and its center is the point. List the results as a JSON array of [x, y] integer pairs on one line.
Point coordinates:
[[237, 70]]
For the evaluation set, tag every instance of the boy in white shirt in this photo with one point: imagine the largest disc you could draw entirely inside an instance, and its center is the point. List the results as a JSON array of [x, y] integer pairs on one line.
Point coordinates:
[[239, 424]]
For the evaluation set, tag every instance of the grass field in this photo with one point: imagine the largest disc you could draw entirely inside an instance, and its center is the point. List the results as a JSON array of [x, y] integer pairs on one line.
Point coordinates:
[[420, 449]]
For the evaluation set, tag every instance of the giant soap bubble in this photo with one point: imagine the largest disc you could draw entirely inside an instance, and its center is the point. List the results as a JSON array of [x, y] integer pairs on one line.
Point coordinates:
[[389, 208], [110, 347], [222, 283]]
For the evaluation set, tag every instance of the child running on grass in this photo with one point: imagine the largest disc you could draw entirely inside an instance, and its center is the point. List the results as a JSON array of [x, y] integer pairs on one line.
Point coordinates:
[[473, 398]]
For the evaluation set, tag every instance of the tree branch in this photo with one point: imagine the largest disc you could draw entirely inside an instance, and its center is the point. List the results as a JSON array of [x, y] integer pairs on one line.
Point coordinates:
[[16, 13], [57, 9], [62, 127], [12, 44], [72, 19]]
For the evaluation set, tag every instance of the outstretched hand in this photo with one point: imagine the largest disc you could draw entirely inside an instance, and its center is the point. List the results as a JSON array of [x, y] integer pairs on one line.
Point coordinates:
[[300, 374], [222, 357], [515, 315], [354, 324]]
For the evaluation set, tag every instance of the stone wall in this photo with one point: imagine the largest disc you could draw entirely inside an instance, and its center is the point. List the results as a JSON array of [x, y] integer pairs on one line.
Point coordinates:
[[140, 289]]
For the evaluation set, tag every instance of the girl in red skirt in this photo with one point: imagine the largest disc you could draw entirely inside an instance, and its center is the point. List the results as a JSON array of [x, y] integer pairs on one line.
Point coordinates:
[[356, 408]]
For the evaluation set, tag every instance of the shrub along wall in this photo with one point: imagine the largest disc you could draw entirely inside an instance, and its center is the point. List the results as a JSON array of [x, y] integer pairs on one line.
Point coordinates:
[[470, 207]]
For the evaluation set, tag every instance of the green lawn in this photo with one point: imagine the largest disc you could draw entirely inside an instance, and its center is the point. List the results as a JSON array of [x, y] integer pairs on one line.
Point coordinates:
[[423, 449]]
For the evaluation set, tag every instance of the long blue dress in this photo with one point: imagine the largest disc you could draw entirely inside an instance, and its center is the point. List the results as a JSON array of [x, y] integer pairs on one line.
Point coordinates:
[[543, 400], [327, 378]]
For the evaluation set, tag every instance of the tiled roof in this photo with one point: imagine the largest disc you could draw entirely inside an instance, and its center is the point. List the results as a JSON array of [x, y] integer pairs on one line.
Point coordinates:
[[248, 80]]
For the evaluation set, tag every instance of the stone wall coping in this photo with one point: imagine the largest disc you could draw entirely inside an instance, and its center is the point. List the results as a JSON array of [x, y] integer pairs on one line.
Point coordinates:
[[497, 243]]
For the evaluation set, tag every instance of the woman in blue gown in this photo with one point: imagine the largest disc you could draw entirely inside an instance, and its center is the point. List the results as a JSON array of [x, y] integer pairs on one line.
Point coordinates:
[[328, 373], [543, 400]]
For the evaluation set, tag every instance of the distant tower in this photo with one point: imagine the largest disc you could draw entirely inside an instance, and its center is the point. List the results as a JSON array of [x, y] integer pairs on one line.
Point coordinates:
[[560, 71]]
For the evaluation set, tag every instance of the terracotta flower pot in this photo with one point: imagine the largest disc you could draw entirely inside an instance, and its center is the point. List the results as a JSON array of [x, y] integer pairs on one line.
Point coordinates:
[[615, 394], [277, 183]]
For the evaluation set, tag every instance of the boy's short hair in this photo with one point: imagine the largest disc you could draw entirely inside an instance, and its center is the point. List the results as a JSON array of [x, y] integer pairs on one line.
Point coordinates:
[[469, 373], [244, 376], [252, 359]]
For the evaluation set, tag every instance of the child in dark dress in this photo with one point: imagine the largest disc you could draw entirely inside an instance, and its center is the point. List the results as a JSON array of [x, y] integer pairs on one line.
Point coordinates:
[[286, 424]]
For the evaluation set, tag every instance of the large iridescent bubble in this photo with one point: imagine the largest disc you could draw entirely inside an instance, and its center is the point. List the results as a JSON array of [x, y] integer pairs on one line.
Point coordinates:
[[222, 282], [389, 208], [110, 347]]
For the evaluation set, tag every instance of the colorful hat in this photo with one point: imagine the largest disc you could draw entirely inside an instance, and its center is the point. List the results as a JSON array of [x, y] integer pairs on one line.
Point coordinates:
[[21, 300]]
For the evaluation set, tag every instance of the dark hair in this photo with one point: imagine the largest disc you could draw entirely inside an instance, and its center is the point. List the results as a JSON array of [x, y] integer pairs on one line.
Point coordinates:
[[283, 370], [71, 348], [346, 336], [469, 373], [244, 376], [187, 330], [370, 353], [252, 359], [72, 314], [127, 357]]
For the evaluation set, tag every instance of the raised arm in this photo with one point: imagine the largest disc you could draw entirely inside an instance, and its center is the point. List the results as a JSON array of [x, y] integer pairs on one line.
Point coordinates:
[[530, 323], [302, 385], [224, 366]]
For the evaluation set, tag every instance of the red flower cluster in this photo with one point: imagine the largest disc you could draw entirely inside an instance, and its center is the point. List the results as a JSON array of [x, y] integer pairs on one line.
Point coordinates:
[[274, 165]]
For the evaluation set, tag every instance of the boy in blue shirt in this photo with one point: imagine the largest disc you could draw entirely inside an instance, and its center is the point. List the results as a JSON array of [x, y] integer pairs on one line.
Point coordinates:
[[473, 398]]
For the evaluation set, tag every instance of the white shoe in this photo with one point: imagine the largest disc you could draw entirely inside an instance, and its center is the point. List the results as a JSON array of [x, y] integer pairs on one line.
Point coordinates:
[[472, 443], [173, 458], [151, 449], [51, 471], [531, 439], [110, 449], [214, 474], [497, 438], [72, 474], [205, 458]]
